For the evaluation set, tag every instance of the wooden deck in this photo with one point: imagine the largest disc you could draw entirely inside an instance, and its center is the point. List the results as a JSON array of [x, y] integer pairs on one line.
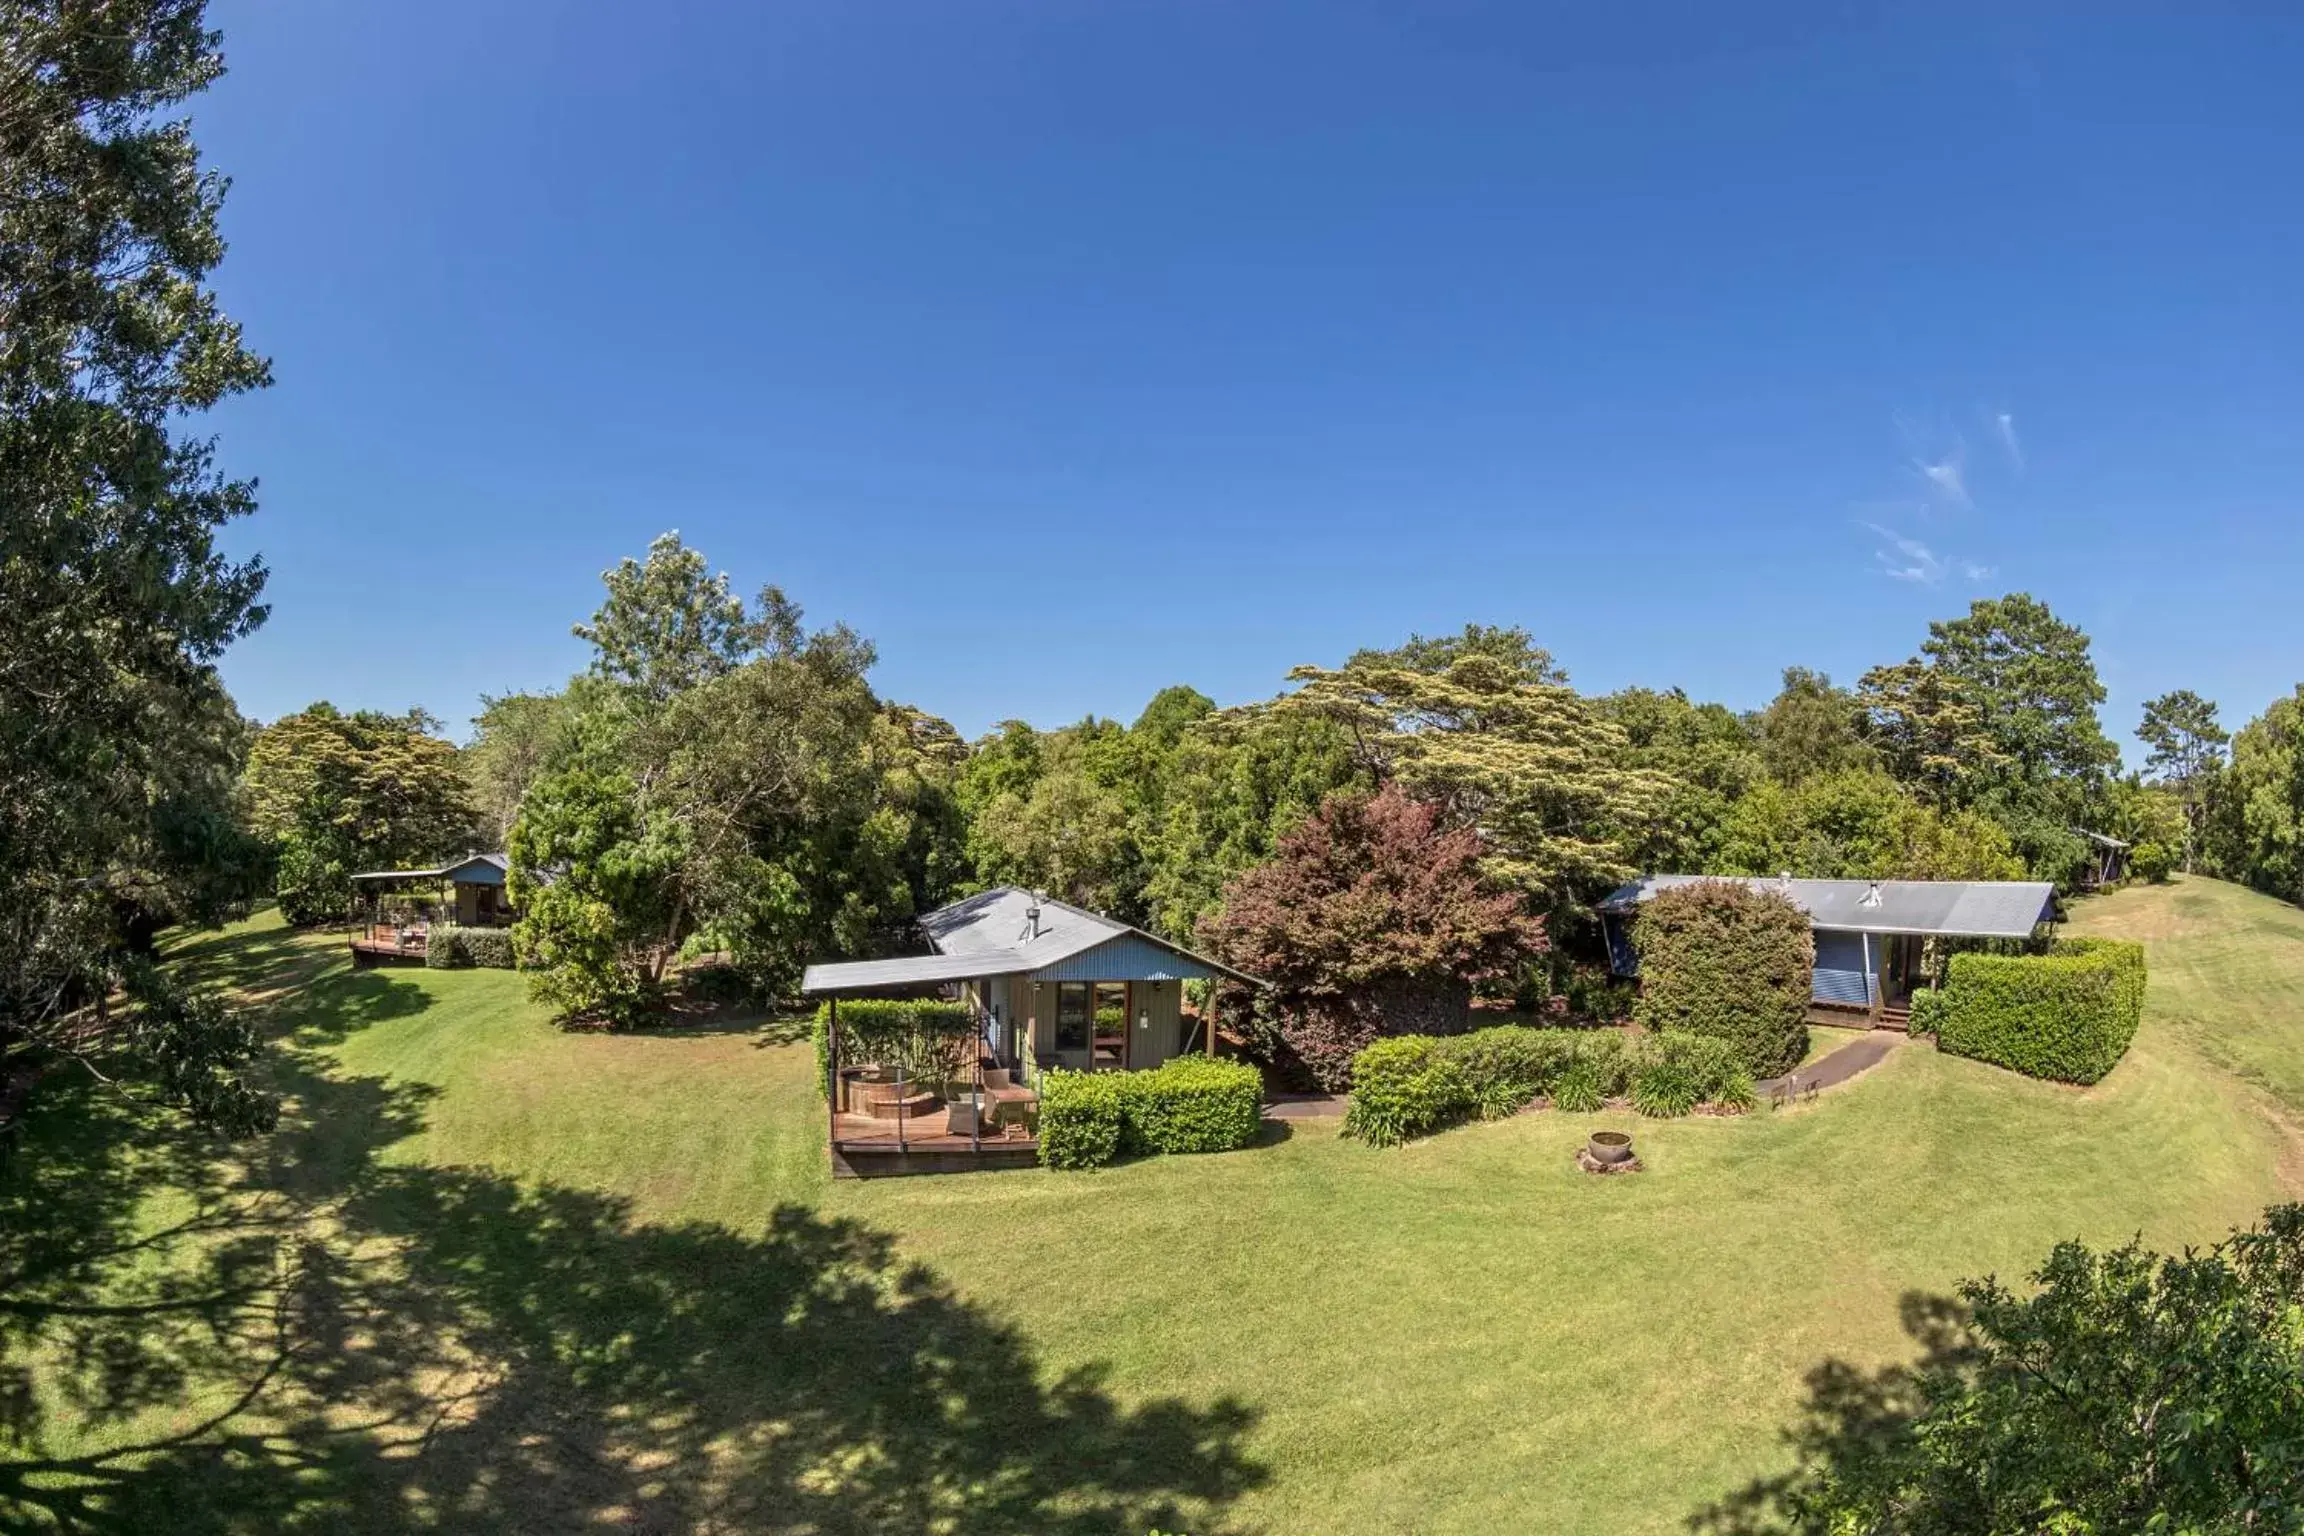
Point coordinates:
[[864, 1147], [368, 951]]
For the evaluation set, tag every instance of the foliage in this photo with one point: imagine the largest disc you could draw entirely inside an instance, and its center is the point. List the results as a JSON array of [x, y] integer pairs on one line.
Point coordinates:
[[448, 947], [517, 738], [1664, 1089], [197, 1046], [2132, 1391], [1672, 1074], [925, 1039], [1508, 1065], [1704, 751], [1404, 1088], [2068, 1015], [596, 889], [1082, 1116], [117, 744], [1192, 1104], [1860, 825], [1927, 1012], [1724, 959], [339, 793], [2188, 747], [669, 624], [1370, 919], [1042, 817], [1580, 1090], [2256, 830], [2151, 861], [1811, 728], [1498, 740]]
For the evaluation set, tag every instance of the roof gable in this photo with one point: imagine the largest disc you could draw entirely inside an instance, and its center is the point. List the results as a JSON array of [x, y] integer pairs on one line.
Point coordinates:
[[1995, 909]]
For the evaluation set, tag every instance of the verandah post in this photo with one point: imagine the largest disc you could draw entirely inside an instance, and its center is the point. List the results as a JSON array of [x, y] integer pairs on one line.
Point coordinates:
[[832, 1067]]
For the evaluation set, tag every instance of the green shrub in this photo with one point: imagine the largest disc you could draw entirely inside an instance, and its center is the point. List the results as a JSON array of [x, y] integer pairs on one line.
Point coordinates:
[[1193, 1104], [2068, 1015], [1665, 1090], [1509, 1064], [1405, 1087], [1927, 1011], [454, 948], [1579, 1090], [1608, 1055], [1082, 1117], [1722, 958], [2152, 862], [924, 1038]]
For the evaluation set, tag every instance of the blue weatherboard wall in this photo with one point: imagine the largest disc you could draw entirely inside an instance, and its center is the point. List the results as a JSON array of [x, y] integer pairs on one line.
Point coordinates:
[[1840, 976]]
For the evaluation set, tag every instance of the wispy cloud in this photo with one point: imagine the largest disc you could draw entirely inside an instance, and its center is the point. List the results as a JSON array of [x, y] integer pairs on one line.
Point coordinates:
[[2004, 423], [1945, 476], [1903, 559]]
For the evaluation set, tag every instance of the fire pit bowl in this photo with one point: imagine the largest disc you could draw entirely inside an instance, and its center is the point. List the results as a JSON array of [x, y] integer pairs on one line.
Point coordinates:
[[1609, 1147]]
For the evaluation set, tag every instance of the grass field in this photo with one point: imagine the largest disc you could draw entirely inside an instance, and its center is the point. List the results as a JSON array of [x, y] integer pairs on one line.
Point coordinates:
[[494, 1277]]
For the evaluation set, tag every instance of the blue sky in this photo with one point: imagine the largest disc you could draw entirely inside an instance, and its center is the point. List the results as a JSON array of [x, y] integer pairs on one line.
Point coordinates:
[[1072, 350]]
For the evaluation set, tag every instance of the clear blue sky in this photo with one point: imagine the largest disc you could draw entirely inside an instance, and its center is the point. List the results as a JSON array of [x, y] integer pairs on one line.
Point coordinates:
[[1071, 350]]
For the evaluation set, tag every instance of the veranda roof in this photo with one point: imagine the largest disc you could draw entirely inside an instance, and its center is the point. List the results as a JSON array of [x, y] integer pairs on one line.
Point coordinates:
[[1973, 909], [501, 863]]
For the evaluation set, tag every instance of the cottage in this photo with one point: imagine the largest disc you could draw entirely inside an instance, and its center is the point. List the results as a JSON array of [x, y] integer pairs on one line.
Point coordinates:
[[1871, 935], [1048, 985], [398, 907]]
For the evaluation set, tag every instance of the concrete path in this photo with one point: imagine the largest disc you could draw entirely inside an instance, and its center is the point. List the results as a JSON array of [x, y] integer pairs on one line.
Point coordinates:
[[1304, 1106], [1855, 1057]]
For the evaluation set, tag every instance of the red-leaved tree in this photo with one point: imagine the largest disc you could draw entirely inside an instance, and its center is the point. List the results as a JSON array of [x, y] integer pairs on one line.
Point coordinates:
[[1370, 919]]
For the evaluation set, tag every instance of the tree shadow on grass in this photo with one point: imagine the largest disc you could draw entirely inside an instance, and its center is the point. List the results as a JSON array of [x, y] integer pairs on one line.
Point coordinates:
[[1852, 1419], [319, 1337]]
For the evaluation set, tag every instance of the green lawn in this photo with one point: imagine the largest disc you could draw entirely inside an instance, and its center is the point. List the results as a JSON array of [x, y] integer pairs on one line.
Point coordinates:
[[510, 1279]]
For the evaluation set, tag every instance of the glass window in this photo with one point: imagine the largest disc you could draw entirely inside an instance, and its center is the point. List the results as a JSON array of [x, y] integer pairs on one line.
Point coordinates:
[[1072, 1014]]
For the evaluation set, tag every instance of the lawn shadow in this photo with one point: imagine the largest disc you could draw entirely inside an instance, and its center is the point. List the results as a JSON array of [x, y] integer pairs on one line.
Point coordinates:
[[314, 1336], [1851, 1420]]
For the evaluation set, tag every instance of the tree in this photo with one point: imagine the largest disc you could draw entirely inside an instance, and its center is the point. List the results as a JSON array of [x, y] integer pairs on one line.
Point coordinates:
[[1707, 753], [1373, 918], [669, 623], [1929, 733], [114, 601], [2188, 747], [2257, 816], [1720, 958], [1065, 831], [2130, 1392], [1811, 727], [2033, 683], [1860, 825], [1532, 765], [517, 737], [334, 794], [1514, 649]]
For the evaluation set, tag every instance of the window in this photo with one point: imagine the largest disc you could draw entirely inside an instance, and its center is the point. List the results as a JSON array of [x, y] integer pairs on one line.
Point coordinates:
[[1072, 1015]]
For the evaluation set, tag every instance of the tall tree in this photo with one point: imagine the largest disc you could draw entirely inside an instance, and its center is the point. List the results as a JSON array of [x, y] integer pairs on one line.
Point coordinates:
[[1811, 727], [2188, 747], [1708, 754], [670, 623], [1927, 731], [337, 793], [2030, 676], [2257, 816], [516, 738], [114, 601], [1531, 764]]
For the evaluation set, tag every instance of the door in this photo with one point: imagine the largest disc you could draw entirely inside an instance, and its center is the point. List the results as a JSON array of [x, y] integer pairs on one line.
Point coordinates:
[[1075, 1024]]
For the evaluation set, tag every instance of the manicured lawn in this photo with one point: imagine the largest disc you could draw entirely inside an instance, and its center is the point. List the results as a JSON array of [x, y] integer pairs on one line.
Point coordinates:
[[528, 1280]]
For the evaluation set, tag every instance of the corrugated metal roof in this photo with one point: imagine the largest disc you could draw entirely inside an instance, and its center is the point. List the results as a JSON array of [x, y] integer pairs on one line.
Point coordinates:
[[1981, 909], [995, 933], [502, 864]]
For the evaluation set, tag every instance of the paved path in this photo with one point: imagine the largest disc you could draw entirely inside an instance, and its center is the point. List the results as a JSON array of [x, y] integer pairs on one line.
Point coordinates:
[[1855, 1057], [1304, 1106]]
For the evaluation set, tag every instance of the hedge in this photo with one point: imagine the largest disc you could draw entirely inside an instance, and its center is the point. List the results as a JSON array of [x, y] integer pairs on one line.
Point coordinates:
[[1722, 958], [2068, 1015], [1191, 1104], [448, 948], [1413, 1085], [927, 1038]]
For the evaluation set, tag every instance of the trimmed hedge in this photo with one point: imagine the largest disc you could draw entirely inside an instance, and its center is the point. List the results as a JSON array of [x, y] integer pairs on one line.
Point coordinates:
[[448, 948], [1414, 1085], [1191, 1104], [2068, 1015], [928, 1038], [1721, 958]]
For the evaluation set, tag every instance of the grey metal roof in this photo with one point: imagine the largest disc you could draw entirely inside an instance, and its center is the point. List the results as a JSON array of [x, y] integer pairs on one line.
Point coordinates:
[[501, 862], [994, 933], [1980, 909]]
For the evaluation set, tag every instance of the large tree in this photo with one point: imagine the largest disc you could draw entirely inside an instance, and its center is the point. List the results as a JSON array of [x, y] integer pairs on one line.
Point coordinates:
[[1495, 741], [336, 793], [516, 739], [1860, 825], [1372, 918], [2188, 745], [1811, 727], [2257, 817], [114, 600], [2127, 1391]]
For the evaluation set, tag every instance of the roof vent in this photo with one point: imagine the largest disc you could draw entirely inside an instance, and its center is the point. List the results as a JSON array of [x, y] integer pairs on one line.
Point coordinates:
[[1032, 919], [1871, 895]]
